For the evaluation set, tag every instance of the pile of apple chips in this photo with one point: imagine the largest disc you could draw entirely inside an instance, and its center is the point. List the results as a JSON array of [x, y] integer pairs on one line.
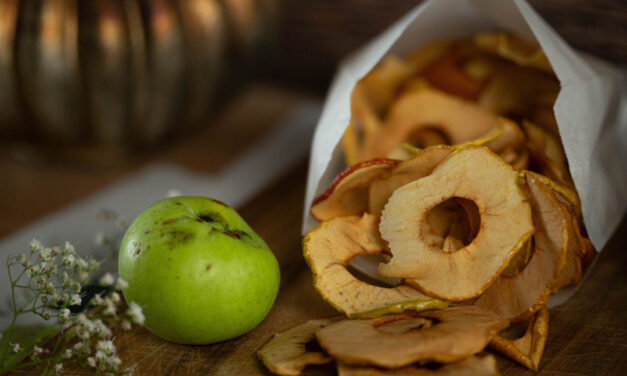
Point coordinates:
[[458, 183]]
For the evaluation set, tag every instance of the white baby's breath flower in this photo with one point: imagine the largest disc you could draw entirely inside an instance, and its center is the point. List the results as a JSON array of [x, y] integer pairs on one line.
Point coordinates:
[[36, 352], [80, 264], [107, 346], [35, 245], [64, 313], [101, 355], [68, 260], [97, 300], [67, 353], [75, 299], [68, 249], [15, 347], [76, 287], [136, 314], [46, 315], [102, 330], [22, 259], [109, 307], [121, 284], [81, 318], [115, 297], [107, 279], [58, 368], [114, 362], [45, 254], [91, 362], [126, 325], [55, 251], [99, 238]]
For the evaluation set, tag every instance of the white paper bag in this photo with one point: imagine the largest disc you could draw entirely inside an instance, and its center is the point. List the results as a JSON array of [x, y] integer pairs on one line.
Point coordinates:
[[591, 109]]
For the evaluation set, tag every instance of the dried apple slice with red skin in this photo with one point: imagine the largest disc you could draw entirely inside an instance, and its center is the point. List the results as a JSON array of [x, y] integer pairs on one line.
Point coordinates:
[[448, 75], [456, 333], [475, 174], [348, 193], [471, 366], [528, 349], [518, 297], [329, 248], [286, 353], [460, 121], [407, 171]]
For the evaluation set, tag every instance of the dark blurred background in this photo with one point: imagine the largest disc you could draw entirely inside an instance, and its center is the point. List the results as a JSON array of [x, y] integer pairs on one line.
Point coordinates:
[[315, 35], [101, 80]]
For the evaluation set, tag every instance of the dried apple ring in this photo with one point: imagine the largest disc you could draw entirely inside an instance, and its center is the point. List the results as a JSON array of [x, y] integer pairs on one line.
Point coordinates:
[[407, 171], [528, 349], [471, 366], [518, 297], [286, 353], [329, 248], [348, 193], [513, 48], [456, 333], [475, 174], [459, 120]]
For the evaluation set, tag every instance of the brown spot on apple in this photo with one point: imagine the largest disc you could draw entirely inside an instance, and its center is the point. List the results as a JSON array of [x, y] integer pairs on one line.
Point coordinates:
[[208, 267], [236, 234], [168, 221]]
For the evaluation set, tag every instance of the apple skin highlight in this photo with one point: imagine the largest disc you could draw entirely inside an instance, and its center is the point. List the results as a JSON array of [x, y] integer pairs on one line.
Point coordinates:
[[199, 272]]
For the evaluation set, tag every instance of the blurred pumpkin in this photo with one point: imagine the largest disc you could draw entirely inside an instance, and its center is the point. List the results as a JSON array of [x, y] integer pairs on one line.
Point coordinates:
[[122, 72]]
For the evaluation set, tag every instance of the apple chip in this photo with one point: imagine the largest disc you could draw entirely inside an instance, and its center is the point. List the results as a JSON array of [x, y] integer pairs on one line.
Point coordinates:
[[447, 74], [547, 153], [471, 366], [348, 193], [518, 297], [455, 333], [286, 352], [528, 349], [328, 249], [458, 120], [379, 87], [474, 174], [576, 253], [513, 48], [407, 171]]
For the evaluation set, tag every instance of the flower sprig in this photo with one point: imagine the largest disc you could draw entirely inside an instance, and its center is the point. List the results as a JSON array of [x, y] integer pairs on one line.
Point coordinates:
[[51, 281]]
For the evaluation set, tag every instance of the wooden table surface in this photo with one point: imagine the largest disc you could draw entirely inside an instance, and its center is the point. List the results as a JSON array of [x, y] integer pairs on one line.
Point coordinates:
[[587, 334]]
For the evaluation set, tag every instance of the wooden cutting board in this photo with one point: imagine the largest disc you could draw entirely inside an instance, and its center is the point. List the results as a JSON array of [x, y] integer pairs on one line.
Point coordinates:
[[586, 337]]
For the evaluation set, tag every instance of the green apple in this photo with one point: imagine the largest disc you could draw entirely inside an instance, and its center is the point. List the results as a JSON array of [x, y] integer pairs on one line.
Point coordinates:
[[199, 272]]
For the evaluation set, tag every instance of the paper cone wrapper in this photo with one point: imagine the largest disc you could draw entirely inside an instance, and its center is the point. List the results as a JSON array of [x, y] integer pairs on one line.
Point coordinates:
[[591, 108]]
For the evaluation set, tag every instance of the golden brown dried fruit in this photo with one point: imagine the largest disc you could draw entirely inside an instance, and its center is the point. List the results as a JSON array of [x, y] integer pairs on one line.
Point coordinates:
[[475, 174], [528, 349], [456, 333], [547, 153], [348, 193], [458, 120], [407, 171], [576, 253], [517, 298], [472, 366], [328, 249], [286, 354], [513, 48], [447, 74]]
